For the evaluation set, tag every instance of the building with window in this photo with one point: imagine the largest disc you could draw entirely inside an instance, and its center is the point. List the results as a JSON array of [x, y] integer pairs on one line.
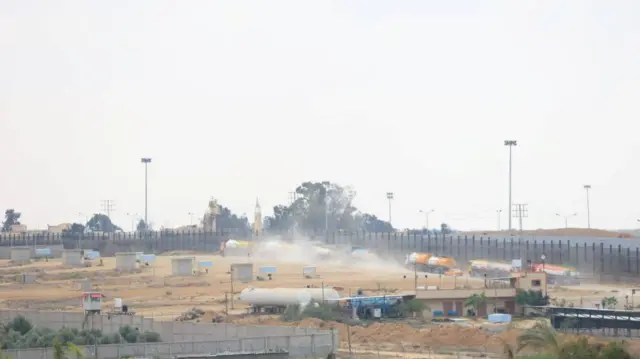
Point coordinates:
[[500, 292]]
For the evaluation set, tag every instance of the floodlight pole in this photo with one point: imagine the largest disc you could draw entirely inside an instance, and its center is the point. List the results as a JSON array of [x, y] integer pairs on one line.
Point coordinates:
[[510, 143]]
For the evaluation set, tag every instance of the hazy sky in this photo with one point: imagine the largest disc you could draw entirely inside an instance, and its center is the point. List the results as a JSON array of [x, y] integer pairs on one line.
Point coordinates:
[[244, 99]]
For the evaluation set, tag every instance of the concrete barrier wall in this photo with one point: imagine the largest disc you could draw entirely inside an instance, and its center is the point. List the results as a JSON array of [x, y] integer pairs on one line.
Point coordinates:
[[170, 331], [609, 259], [300, 346]]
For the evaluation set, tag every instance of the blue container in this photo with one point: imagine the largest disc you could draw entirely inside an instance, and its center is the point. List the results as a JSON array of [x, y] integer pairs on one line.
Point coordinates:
[[43, 252]]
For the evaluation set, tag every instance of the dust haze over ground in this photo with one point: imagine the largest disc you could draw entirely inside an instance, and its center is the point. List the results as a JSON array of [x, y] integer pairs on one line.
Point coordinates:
[[303, 250]]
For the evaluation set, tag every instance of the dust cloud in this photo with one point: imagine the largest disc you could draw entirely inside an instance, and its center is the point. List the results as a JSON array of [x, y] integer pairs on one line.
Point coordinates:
[[303, 250]]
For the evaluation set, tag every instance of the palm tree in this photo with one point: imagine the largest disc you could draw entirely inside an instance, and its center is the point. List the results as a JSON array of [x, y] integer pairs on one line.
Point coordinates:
[[60, 349], [541, 338]]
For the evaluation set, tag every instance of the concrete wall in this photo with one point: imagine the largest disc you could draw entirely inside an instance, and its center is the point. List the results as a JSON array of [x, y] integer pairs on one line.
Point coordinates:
[[126, 261], [170, 331], [72, 257], [299, 346], [182, 266], [5, 252], [20, 255]]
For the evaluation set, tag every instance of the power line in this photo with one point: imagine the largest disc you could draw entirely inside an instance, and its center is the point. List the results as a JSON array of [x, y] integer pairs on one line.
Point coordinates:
[[520, 211], [107, 206]]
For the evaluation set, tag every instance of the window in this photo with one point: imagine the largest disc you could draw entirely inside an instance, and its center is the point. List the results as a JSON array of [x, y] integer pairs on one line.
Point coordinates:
[[535, 283]]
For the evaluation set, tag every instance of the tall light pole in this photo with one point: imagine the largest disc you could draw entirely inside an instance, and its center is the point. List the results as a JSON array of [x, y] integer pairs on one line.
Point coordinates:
[[587, 187], [146, 161], [191, 214], [566, 218], [498, 212], [426, 217], [510, 143], [390, 198]]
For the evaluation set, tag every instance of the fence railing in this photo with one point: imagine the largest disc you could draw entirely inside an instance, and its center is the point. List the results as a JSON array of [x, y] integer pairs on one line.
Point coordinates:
[[608, 259]]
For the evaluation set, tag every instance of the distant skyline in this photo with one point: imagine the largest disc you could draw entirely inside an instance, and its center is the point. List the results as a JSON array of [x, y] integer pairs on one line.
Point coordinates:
[[244, 99]]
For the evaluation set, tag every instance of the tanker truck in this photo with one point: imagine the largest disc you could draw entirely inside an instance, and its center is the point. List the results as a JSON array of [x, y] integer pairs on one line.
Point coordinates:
[[427, 262], [493, 269], [558, 274]]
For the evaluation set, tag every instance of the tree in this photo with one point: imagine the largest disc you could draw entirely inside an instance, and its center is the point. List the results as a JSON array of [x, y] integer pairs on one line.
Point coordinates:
[[228, 221], [540, 338], [11, 217], [320, 206], [371, 223], [609, 302], [531, 298], [281, 220], [75, 229], [445, 229], [476, 301], [142, 226], [102, 223], [414, 307], [60, 349]]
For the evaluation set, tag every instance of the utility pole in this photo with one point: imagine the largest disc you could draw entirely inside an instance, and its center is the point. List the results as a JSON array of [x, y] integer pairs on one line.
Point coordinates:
[[520, 211], [146, 161], [107, 206], [587, 187], [191, 214], [510, 143], [390, 198], [566, 218], [426, 217], [499, 213]]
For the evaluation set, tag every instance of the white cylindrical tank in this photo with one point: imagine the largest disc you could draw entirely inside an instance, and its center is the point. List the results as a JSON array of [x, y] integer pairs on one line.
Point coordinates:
[[275, 296], [117, 303], [317, 294]]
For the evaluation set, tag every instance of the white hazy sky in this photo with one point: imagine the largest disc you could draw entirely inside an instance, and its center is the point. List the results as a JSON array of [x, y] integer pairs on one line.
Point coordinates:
[[244, 99]]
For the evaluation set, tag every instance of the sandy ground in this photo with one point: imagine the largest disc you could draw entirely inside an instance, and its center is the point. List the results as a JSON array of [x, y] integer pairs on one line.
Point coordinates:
[[153, 292]]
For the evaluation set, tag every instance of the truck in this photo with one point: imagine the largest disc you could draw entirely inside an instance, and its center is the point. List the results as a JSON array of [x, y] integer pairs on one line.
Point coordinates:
[[428, 262]]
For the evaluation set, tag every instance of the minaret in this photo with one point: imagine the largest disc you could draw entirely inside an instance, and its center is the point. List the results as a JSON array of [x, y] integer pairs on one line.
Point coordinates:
[[257, 219]]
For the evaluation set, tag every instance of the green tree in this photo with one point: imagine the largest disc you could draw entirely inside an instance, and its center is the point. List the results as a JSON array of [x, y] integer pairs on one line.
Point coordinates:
[[609, 302], [414, 307], [142, 226], [230, 222], [323, 205], [102, 223], [11, 217], [541, 338], [476, 301], [531, 297], [61, 349], [75, 229]]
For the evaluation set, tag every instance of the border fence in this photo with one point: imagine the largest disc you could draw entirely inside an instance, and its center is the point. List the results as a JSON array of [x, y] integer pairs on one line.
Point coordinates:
[[604, 259]]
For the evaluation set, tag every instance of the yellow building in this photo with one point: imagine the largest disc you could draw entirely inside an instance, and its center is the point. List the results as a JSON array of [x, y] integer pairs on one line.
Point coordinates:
[[501, 295], [257, 219]]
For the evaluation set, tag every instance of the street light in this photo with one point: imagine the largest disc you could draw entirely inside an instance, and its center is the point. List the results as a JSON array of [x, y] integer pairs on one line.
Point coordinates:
[[191, 214], [587, 187], [426, 217], [146, 161], [390, 198], [498, 212], [133, 219], [566, 218], [510, 143]]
